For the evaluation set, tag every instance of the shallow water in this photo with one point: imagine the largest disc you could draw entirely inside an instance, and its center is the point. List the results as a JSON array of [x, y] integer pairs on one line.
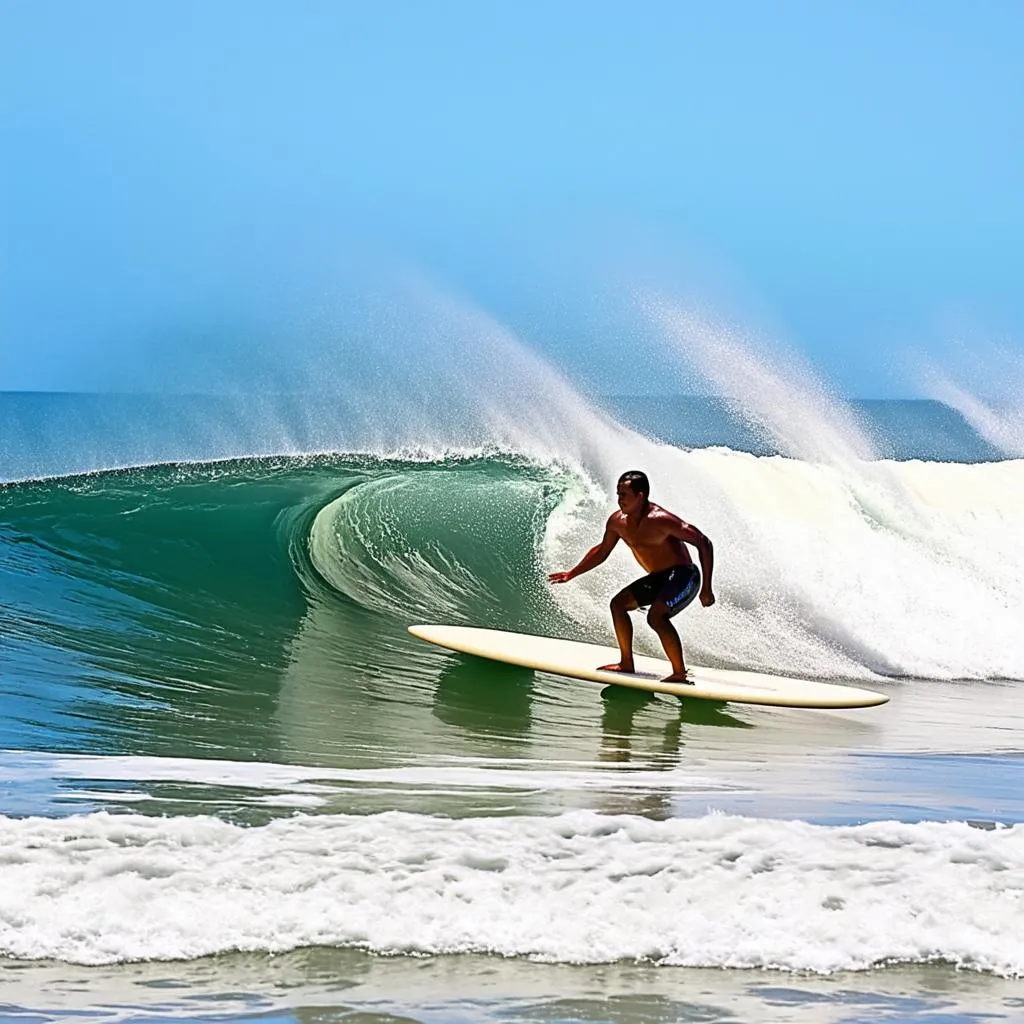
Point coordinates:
[[345, 985]]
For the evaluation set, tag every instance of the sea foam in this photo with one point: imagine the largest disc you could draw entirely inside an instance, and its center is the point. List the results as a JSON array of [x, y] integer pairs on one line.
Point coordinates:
[[714, 891], [869, 569]]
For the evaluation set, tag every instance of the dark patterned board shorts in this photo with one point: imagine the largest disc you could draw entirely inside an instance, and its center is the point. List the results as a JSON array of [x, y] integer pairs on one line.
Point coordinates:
[[677, 587]]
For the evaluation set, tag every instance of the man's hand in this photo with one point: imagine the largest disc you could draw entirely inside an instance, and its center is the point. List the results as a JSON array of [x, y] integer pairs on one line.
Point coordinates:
[[559, 577], [707, 598]]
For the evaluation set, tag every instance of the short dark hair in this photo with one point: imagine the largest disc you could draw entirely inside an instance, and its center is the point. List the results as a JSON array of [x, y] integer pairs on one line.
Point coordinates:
[[638, 482]]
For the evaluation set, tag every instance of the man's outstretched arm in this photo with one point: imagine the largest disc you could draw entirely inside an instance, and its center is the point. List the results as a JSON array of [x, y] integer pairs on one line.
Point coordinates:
[[591, 560]]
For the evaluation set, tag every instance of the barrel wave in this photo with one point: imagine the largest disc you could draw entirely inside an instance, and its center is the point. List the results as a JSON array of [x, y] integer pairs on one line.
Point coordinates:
[[202, 572]]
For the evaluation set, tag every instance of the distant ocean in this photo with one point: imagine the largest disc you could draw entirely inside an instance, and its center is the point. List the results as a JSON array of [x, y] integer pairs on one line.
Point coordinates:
[[233, 787]]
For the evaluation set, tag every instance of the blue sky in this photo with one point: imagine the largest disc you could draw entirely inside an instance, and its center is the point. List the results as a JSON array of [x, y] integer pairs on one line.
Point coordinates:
[[849, 174]]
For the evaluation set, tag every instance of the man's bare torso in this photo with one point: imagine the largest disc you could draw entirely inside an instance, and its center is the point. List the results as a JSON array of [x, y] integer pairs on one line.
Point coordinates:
[[649, 539]]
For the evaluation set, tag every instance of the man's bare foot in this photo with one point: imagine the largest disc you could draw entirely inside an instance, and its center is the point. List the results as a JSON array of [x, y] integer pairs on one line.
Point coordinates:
[[617, 667], [677, 677]]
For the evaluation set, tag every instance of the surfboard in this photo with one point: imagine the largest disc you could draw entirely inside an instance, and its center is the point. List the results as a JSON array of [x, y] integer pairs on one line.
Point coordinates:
[[577, 660]]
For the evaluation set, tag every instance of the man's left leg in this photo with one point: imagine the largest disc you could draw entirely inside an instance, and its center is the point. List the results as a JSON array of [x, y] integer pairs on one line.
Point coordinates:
[[658, 618]]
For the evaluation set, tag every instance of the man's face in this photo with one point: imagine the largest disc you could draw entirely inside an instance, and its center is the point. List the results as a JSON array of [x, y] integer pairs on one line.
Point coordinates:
[[629, 501]]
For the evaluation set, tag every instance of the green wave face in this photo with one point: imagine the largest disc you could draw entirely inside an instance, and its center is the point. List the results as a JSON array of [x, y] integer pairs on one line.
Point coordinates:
[[154, 605], [455, 543]]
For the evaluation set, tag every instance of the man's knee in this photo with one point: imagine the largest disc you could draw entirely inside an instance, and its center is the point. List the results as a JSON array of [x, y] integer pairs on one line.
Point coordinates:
[[622, 602], [657, 618]]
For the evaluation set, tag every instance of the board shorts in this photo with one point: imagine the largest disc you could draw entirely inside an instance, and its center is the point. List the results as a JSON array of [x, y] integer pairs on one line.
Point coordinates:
[[677, 587]]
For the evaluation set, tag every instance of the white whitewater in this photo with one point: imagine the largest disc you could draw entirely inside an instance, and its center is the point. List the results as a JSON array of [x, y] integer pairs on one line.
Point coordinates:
[[715, 891]]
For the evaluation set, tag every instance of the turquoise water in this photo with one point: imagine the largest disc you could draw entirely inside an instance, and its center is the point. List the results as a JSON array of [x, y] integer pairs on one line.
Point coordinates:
[[232, 785]]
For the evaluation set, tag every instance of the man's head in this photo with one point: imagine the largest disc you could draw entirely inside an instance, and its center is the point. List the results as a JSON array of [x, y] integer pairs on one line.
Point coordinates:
[[632, 491]]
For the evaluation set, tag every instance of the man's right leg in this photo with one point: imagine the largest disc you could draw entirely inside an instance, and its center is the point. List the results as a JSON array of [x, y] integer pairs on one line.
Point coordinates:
[[622, 604]]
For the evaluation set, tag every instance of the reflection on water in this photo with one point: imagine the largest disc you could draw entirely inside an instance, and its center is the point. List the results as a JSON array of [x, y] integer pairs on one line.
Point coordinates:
[[486, 699], [620, 709]]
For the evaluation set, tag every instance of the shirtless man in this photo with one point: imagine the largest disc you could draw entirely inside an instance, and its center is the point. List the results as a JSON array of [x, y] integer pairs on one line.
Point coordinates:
[[658, 540]]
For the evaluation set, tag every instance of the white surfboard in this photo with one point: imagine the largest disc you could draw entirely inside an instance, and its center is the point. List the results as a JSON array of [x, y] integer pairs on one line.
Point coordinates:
[[580, 661]]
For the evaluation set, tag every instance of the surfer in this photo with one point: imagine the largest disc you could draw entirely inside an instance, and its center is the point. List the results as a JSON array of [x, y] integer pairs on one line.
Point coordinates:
[[658, 541]]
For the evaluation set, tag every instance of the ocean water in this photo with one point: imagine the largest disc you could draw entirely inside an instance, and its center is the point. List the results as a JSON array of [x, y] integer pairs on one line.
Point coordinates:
[[233, 787]]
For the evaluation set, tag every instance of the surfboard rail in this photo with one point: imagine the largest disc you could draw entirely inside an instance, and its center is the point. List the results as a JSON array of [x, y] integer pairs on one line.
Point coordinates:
[[575, 659]]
